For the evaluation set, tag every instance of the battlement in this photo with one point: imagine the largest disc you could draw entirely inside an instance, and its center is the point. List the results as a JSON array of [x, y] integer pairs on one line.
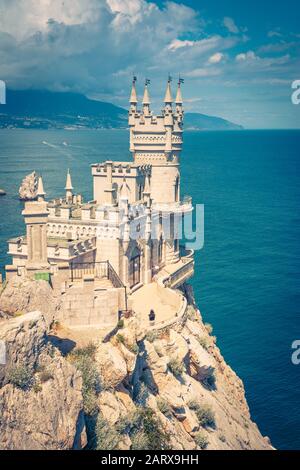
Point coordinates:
[[156, 139]]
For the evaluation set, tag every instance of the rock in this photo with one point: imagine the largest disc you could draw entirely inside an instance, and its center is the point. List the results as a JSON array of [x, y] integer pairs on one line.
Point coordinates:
[[201, 364], [111, 365], [28, 188], [49, 413], [25, 295], [109, 407], [2, 192]]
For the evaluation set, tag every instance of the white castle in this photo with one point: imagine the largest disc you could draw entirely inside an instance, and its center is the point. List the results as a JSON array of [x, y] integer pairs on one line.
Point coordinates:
[[118, 252]]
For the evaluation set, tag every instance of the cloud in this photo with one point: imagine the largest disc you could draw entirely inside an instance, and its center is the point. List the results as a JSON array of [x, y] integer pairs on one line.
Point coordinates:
[[178, 44], [203, 72], [246, 56], [230, 25], [272, 34], [216, 58]]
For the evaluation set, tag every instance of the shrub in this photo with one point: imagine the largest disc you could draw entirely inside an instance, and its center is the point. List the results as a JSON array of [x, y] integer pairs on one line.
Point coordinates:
[[222, 438], [204, 413], [145, 421], [164, 407], [209, 328], [210, 380], [203, 342], [133, 348], [45, 375], [120, 324], [88, 351], [176, 367], [201, 440], [151, 336], [37, 387], [83, 359], [107, 437], [191, 313], [20, 376], [139, 441], [120, 338]]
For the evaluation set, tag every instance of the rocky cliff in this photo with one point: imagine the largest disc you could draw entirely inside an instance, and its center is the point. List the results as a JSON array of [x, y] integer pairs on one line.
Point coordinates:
[[134, 389]]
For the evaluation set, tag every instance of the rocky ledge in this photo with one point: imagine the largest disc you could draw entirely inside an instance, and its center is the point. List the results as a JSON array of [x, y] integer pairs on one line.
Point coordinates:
[[164, 389]]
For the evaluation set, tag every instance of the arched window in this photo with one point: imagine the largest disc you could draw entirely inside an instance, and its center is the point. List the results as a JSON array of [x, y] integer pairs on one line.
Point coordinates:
[[160, 249], [134, 268], [177, 189]]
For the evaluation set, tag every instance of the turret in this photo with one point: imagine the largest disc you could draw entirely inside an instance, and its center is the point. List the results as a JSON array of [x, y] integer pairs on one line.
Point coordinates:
[[69, 187], [178, 100], [133, 97], [40, 193], [146, 99], [168, 116]]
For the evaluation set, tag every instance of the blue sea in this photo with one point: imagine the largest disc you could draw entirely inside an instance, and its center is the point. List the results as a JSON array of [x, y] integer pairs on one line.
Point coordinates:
[[247, 281]]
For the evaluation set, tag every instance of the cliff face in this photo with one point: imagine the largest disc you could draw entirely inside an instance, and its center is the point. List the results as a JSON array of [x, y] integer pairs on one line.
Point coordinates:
[[135, 389]]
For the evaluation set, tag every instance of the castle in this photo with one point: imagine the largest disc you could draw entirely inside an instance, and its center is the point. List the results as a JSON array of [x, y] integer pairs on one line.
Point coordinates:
[[102, 254]]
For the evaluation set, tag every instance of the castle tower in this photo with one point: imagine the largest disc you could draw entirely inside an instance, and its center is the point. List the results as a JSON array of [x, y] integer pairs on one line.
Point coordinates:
[[36, 215], [157, 141], [69, 188], [40, 193], [146, 99]]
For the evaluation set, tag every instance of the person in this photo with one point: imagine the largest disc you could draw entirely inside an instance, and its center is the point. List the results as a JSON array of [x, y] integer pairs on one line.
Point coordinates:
[[151, 315]]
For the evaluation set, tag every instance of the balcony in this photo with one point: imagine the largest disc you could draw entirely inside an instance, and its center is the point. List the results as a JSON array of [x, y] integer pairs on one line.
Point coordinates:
[[174, 275], [180, 207]]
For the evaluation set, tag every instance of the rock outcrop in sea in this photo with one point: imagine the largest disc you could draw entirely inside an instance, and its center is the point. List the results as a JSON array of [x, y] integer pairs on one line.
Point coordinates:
[[164, 388], [28, 188]]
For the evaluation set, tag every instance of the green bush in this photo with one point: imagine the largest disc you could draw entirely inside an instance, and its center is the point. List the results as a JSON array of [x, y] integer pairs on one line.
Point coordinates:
[[204, 413], [152, 336], [120, 338], [120, 324], [20, 376], [145, 421], [209, 328], [45, 375], [139, 441], [201, 440], [164, 407], [107, 437], [176, 367], [203, 342], [83, 359]]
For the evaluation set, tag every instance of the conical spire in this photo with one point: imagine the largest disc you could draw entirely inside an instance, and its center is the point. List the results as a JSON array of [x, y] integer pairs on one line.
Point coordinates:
[[40, 190], [133, 97], [124, 191], [178, 99], [146, 97], [69, 186], [168, 96]]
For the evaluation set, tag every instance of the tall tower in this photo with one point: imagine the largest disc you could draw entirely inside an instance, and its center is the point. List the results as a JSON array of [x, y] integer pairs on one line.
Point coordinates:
[[157, 141], [69, 188], [36, 215]]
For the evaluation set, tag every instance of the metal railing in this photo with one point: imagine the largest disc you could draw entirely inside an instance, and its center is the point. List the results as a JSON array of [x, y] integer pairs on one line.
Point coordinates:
[[100, 269]]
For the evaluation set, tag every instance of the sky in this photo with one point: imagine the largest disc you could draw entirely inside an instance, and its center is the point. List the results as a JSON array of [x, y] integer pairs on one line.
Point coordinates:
[[238, 58]]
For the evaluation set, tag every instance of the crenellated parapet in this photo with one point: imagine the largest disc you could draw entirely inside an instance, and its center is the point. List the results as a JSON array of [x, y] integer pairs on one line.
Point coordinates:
[[159, 136]]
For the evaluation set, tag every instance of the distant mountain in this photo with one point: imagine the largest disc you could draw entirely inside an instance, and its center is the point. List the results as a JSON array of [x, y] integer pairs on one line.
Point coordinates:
[[41, 109], [46, 109], [197, 121]]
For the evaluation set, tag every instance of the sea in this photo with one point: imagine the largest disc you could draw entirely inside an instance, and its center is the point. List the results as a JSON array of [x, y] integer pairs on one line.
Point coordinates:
[[247, 275]]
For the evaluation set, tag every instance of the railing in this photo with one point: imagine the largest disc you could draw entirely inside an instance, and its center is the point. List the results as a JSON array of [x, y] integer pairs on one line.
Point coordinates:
[[181, 275], [101, 270]]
